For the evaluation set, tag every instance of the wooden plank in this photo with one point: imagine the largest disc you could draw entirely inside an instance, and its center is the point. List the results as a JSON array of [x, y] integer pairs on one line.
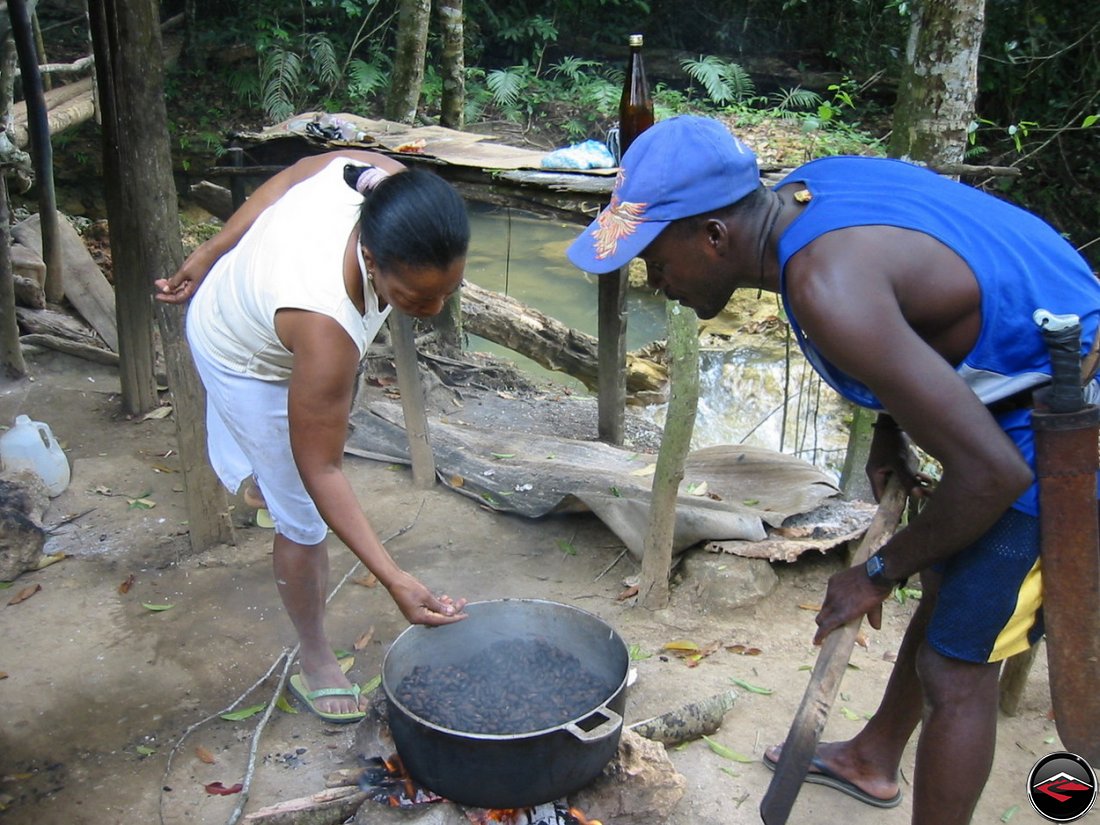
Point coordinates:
[[611, 335], [412, 399], [85, 285]]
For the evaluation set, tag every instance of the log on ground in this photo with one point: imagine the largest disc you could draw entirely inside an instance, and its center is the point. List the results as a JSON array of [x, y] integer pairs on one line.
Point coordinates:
[[547, 341]]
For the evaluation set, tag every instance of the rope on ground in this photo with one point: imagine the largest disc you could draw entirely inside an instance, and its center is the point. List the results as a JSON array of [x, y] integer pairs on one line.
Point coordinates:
[[287, 657]]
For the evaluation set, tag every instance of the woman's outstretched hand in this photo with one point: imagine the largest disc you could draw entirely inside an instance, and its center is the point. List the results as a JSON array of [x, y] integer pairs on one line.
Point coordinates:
[[420, 606]]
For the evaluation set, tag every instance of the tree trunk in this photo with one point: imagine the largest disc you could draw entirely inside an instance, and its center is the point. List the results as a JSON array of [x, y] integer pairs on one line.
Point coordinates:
[[12, 364], [547, 341], [11, 354], [41, 150], [453, 68], [683, 354], [939, 84], [935, 105], [408, 65], [145, 242]]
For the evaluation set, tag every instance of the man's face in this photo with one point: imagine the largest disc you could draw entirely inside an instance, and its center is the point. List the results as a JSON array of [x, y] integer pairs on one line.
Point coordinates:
[[681, 264]]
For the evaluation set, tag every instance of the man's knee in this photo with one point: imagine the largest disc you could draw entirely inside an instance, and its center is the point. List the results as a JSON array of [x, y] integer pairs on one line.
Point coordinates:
[[948, 682]]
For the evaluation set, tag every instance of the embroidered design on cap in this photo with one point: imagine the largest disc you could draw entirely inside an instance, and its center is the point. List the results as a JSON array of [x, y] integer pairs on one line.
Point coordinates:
[[618, 221]]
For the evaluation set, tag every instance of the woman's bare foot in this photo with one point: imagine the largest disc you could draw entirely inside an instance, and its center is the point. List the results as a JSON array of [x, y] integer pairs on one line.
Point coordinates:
[[253, 496]]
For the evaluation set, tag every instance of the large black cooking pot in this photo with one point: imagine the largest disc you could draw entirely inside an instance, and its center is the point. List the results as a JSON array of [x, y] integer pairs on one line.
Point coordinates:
[[512, 770]]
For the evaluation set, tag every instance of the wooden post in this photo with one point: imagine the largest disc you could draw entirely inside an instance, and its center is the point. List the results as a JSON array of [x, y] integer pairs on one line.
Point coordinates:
[[611, 335], [41, 150], [12, 364], [853, 479], [145, 241], [412, 399], [1014, 679], [683, 400]]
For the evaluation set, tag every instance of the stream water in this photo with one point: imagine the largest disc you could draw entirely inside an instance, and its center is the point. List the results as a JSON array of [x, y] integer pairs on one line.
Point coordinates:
[[752, 390]]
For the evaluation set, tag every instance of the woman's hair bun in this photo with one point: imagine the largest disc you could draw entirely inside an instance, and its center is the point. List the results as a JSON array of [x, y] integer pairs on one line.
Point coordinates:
[[352, 171]]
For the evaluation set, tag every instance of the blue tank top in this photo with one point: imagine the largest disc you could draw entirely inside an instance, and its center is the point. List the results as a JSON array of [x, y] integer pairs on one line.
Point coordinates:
[[1020, 262]]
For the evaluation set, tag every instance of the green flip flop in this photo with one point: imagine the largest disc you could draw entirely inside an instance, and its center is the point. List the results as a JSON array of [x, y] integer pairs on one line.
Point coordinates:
[[307, 697]]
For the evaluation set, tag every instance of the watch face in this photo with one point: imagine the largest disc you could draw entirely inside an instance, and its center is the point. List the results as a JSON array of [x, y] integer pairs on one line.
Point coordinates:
[[876, 569]]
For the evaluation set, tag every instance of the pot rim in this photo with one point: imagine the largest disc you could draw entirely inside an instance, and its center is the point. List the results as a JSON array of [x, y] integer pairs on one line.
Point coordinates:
[[511, 737]]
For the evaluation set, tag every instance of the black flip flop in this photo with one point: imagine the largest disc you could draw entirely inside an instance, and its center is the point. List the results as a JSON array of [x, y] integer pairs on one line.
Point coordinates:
[[820, 774]]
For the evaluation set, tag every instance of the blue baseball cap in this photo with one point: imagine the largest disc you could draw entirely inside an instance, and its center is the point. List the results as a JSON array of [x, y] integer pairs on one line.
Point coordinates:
[[676, 168]]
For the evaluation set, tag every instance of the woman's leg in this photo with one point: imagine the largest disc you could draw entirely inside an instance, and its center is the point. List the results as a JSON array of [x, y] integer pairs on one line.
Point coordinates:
[[301, 575]]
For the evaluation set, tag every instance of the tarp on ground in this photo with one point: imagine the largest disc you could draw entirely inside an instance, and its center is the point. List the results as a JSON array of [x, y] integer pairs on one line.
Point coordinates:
[[729, 493]]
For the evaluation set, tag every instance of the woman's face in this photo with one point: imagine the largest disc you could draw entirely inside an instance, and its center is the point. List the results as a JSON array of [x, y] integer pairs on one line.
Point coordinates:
[[419, 291]]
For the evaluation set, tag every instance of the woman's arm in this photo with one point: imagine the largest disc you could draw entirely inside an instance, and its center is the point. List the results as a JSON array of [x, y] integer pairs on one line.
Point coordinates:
[[325, 363], [182, 285]]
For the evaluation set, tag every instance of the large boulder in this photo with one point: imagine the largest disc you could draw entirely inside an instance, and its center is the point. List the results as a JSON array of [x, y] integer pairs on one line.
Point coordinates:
[[23, 502]]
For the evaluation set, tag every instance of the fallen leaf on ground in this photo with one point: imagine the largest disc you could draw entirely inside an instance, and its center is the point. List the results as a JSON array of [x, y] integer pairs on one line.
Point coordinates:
[[345, 663], [726, 753], [696, 658], [364, 640], [159, 412], [365, 581], [861, 640], [816, 608], [50, 558], [367, 687], [244, 713], [141, 503], [283, 704], [25, 594], [204, 755], [124, 588], [145, 750], [751, 688], [218, 789], [3, 675], [681, 646], [157, 608], [744, 650], [630, 592]]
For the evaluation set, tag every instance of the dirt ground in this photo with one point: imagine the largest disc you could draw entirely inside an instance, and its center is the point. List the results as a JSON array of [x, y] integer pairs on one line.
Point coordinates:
[[99, 689]]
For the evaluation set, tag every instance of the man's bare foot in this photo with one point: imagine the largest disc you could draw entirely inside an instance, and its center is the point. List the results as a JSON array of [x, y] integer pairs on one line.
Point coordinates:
[[834, 766]]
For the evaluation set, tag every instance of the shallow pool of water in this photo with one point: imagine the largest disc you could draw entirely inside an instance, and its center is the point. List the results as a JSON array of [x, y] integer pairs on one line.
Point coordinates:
[[742, 388]]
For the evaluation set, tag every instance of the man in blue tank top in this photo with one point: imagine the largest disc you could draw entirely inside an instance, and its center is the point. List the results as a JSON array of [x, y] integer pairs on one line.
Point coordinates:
[[911, 295]]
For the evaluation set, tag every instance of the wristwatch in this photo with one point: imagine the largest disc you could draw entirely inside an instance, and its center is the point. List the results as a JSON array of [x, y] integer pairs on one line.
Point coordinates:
[[876, 572]]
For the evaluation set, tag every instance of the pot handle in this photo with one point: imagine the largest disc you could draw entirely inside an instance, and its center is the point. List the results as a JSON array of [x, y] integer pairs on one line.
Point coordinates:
[[612, 722]]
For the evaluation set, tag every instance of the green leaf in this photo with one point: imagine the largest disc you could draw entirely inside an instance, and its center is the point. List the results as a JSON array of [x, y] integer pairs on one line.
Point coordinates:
[[615, 491], [157, 608], [848, 713], [372, 685], [1089, 121], [282, 704], [145, 750], [636, 654], [244, 713], [503, 455], [751, 502], [567, 547], [751, 687], [5, 585], [726, 753], [1011, 812]]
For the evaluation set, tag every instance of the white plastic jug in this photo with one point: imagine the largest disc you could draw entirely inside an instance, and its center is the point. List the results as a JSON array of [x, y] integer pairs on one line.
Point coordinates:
[[30, 445]]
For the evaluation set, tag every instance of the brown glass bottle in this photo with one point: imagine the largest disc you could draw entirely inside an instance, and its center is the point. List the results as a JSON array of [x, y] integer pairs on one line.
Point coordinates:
[[636, 105]]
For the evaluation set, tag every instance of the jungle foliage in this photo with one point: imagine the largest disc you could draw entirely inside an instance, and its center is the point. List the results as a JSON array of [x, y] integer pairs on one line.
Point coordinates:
[[557, 68]]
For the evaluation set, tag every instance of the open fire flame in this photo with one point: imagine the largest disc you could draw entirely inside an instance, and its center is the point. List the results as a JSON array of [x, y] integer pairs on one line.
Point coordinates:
[[386, 781]]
